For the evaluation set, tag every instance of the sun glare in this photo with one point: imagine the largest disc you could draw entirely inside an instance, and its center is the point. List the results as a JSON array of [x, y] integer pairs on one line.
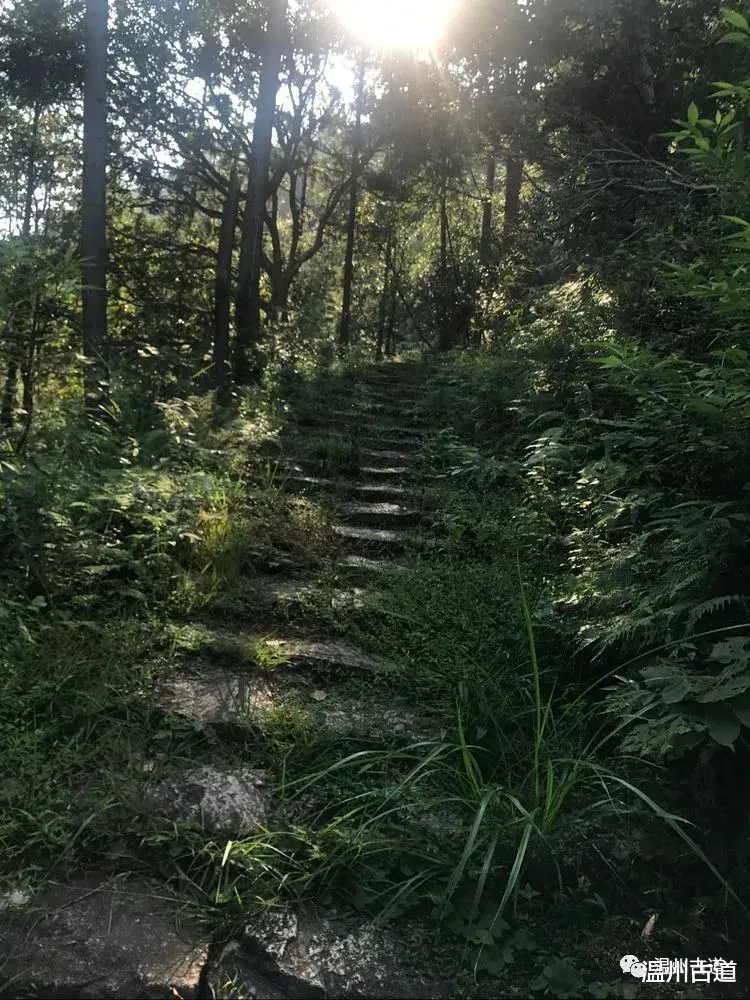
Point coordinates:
[[412, 24]]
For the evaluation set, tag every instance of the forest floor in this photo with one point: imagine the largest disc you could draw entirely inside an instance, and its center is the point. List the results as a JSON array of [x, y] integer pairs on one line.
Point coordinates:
[[297, 783]]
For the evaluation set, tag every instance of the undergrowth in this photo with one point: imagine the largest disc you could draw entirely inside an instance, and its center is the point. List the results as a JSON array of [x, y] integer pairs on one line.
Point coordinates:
[[110, 536]]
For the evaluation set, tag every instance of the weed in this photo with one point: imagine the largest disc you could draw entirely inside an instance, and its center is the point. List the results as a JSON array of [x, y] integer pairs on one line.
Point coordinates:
[[338, 454]]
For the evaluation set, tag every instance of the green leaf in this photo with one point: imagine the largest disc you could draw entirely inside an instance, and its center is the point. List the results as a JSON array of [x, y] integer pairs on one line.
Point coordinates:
[[523, 940], [723, 726], [733, 37], [481, 935], [734, 18], [730, 688], [693, 114], [699, 405], [676, 692], [562, 978]]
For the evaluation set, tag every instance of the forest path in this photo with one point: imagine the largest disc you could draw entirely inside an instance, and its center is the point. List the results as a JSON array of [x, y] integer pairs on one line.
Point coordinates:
[[247, 691]]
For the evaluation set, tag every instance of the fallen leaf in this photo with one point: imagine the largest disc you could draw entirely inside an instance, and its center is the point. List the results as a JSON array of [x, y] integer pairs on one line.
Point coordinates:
[[648, 930]]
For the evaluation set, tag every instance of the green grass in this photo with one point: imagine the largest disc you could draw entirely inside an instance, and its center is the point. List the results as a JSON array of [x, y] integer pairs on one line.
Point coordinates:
[[335, 453]]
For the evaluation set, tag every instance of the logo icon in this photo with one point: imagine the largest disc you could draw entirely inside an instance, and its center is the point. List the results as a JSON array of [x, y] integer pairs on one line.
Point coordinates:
[[633, 965]]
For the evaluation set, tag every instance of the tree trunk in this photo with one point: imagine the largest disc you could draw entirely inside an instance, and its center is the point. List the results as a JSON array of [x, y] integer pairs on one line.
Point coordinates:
[[242, 289], [46, 207], [443, 232], [280, 295], [247, 358], [346, 302], [10, 389], [391, 324], [198, 144], [28, 201], [445, 335], [383, 307], [8, 404], [223, 288], [513, 179], [27, 378], [485, 243], [94, 206]]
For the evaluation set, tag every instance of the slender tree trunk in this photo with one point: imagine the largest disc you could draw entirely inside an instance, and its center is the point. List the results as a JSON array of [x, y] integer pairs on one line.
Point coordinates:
[[242, 289], [303, 196], [445, 336], [46, 207], [198, 144], [280, 295], [443, 232], [384, 296], [513, 179], [223, 288], [390, 330], [485, 243], [28, 201], [7, 406], [248, 363], [27, 378], [346, 302], [10, 389], [276, 270], [297, 206], [94, 206]]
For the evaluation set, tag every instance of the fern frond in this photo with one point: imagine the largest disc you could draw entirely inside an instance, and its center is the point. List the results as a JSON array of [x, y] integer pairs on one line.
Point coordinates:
[[709, 607]]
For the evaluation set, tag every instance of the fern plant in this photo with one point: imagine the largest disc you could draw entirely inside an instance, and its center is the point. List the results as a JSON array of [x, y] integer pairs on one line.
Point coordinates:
[[687, 700]]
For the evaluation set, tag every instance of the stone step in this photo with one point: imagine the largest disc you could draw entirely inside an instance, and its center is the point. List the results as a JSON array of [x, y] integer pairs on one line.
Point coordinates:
[[233, 803], [400, 394], [365, 541], [342, 420], [234, 697], [282, 954], [218, 696], [398, 443], [393, 419], [383, 401], [232, 700], [391, 387], [363, 566], [296, 481], [385, 471], [395, 373], [391, 403], [95, 935], [397, 430], [381, 492], [316, 653], [387, 491], [386, 455], [288, 595], [378, 515], [312, 469]]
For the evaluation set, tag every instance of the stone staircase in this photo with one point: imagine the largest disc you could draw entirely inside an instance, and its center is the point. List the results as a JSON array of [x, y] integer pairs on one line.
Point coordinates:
[[62, 943]]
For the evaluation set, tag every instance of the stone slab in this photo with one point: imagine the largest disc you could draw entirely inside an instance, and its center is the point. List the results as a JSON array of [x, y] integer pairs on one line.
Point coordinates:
[[95, 936]]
